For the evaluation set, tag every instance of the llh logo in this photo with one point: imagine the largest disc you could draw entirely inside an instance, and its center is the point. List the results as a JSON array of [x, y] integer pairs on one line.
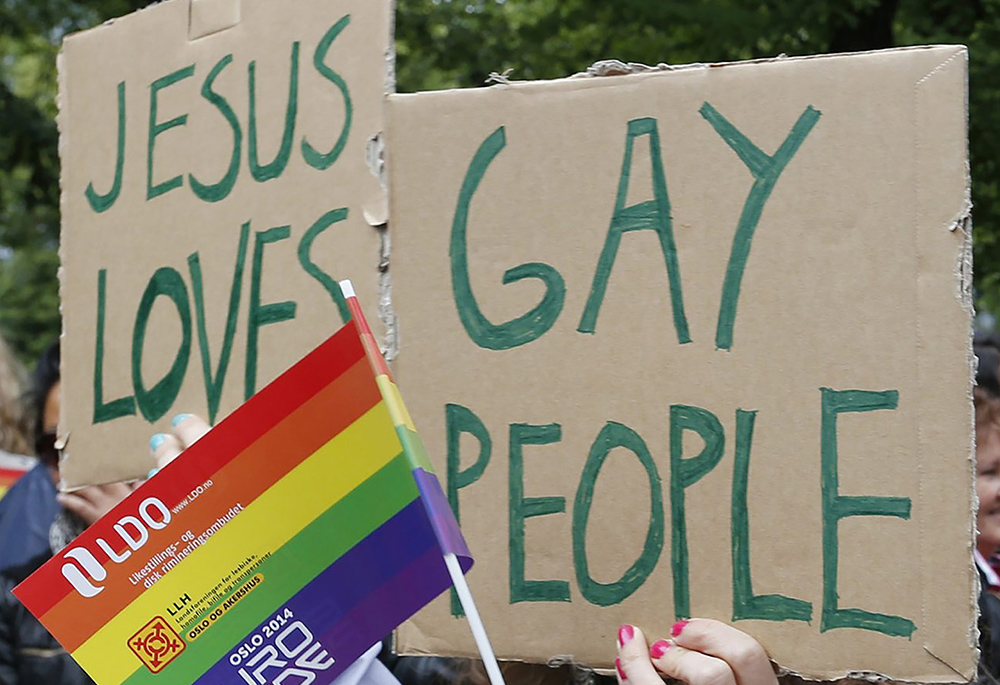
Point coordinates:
[[156, 644]]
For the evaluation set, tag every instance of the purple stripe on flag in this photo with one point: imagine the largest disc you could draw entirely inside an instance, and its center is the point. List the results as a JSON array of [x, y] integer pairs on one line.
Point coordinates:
[[401, 560], [442, 518], [390, 605]]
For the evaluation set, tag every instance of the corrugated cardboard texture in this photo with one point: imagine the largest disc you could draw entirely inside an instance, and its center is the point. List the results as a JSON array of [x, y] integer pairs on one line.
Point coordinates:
[[127, 365], [850, 175]]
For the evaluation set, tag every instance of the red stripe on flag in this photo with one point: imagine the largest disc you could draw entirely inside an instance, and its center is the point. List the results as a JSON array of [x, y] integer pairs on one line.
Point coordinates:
[[374, 354], [9, 476]]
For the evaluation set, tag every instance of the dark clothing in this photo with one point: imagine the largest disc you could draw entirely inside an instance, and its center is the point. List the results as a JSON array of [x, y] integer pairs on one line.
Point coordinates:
[[28, 654], [26, 513], [436, 670], [989, 633]]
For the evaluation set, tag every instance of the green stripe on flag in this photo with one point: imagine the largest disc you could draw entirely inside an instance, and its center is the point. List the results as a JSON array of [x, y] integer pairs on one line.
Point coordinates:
[[414, 448]]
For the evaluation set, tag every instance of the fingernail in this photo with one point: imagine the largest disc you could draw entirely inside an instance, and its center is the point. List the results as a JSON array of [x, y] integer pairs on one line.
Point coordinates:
[[659, 648], [179, 418], [625, 633], [156, 441], [678, 627], [621, 673], [152, 472]]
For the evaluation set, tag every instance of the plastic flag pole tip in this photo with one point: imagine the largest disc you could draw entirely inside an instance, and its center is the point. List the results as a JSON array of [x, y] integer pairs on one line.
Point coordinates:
[[347, 288]]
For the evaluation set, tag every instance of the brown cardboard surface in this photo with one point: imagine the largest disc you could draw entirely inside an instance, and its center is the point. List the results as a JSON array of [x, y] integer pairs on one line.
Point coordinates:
[[856, 279], [196, 61]]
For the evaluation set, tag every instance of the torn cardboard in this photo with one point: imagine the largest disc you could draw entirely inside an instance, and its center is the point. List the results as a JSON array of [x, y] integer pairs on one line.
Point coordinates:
[[204, 229], [696, 343]]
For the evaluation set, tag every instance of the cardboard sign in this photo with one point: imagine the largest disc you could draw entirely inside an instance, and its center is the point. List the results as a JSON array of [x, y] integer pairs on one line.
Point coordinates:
[[696, 343], [215, 185], [278, 548]]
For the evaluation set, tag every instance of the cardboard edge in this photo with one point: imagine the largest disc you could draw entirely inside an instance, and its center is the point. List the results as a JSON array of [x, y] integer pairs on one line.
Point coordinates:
[[964, 278], [963, 270], [62, 115], [381, 219], [124, 19], [554, 661], [615, 67], [376, 215], [635, 70], [390, 52], [402, 646], [376, 209], [960, 219], [964, 273]]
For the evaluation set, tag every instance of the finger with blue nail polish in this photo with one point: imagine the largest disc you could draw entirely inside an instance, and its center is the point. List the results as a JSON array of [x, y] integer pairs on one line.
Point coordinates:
[[156, 441], [186, 430], [189, 428], [165, 447]]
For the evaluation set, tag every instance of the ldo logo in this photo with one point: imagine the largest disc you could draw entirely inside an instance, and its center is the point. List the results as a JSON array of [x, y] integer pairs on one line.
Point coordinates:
[[84, 571]]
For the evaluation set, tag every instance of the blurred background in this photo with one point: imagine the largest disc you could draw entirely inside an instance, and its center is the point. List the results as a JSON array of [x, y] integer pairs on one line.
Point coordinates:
[[458, 43]]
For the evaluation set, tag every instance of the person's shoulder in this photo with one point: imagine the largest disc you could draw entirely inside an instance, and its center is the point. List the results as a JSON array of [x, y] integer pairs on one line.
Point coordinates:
[[12, 612], [36, 482], [14, 575]]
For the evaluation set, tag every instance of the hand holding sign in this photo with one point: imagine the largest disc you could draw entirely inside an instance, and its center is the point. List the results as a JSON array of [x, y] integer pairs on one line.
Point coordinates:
[[95, 501], [168, 446], [700, 652]]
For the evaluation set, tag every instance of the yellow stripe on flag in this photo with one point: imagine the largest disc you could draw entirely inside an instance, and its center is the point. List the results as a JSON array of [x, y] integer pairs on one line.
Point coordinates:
[[397, 410], [275, 517]]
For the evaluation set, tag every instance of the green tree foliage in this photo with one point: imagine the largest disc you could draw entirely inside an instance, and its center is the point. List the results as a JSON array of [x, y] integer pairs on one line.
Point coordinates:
[[30, 31], [458, 43]]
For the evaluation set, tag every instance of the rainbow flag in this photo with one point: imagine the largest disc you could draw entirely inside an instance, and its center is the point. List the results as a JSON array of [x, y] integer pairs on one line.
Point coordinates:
[[12, 467], [278, 548]]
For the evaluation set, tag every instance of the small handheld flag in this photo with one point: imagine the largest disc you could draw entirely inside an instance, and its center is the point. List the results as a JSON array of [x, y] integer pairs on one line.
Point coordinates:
[[285, 542], [408, 436]]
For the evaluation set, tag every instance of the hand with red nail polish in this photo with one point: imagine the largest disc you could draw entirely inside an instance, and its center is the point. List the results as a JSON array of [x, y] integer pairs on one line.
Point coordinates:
[[658, 649], [699, 652], [625, 634]]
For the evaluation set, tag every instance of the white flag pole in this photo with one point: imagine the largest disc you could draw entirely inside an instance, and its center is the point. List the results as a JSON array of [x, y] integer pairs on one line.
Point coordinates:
[[478, 631]]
